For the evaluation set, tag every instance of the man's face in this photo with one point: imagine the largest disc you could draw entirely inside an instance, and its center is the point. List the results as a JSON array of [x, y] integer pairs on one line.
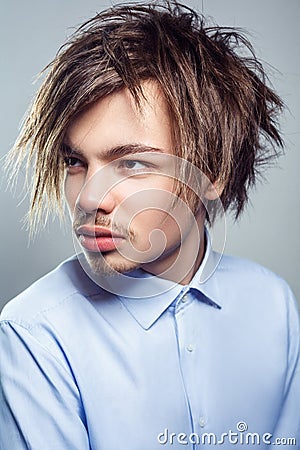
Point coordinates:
[[119, 185]]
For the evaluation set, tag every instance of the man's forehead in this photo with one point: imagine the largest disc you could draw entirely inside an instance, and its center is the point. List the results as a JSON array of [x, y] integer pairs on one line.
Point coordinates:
[[150, 98], [116, 123]]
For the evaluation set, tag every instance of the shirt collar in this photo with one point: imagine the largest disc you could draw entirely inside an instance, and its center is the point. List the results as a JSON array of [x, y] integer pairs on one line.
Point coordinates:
[[147, 309]]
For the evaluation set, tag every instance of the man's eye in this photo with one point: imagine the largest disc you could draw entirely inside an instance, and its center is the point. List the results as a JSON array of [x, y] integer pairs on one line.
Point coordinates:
[[71, 161], [131, 164]]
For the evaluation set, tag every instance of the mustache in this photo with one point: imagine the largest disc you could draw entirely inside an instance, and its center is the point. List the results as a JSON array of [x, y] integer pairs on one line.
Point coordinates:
[[81, 218]]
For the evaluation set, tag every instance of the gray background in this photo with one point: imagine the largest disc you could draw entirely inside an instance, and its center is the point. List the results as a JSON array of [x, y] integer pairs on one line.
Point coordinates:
[[268, 233]]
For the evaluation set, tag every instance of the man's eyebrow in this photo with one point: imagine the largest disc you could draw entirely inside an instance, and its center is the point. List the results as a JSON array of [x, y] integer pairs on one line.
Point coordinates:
[[113, 153]]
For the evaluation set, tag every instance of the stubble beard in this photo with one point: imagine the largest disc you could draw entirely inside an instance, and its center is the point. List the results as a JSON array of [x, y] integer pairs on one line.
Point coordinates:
[[104, 264]]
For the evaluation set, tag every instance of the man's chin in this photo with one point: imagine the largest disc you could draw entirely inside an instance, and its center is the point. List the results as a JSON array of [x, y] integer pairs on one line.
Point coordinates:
[[109, 265]]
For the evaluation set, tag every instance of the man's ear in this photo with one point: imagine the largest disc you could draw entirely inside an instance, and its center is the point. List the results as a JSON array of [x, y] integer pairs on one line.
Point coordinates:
[[214, 190]]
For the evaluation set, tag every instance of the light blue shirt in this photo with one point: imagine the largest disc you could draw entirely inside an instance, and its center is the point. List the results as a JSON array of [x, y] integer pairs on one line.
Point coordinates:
[[207, 365]]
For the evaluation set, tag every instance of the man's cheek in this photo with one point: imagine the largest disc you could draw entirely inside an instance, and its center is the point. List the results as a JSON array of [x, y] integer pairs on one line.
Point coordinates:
[[71, 193]]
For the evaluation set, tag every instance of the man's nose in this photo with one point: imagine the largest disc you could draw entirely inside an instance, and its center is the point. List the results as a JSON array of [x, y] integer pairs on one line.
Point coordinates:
[[97, 194]]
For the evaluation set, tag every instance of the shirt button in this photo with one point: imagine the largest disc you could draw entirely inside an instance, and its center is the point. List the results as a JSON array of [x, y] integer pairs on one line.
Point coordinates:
[[184, 298], [202, 422], [190, 348]]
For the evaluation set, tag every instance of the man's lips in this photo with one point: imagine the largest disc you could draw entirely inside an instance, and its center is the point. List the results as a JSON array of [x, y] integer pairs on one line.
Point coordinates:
[[98, 239]]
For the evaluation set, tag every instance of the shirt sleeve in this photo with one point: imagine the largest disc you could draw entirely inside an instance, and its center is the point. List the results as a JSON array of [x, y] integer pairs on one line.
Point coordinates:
[[287, 431], [40, 404]]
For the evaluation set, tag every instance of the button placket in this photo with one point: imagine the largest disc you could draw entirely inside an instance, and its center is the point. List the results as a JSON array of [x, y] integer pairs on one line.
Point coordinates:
[[188, 335]]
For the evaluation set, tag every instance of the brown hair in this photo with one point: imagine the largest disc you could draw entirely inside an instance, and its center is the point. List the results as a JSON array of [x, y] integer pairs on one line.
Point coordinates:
[[223, 114]]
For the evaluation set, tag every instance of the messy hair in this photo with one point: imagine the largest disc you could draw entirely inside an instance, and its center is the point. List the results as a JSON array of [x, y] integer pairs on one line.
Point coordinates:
[[224, 116]]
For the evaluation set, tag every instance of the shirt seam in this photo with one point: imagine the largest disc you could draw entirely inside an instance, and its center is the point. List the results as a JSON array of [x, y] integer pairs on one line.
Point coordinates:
[[42, 346], [30, 326]]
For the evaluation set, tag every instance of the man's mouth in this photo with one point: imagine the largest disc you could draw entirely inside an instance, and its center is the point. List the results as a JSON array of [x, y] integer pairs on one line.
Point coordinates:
[[98, 239]]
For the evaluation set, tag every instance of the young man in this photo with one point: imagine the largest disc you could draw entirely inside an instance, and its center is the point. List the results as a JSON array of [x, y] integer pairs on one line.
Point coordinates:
[[151, 124]]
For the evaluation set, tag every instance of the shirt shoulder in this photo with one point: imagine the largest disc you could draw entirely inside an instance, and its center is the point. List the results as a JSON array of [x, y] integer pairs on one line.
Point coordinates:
[[48, 293], [249, 270], [244, 279]]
